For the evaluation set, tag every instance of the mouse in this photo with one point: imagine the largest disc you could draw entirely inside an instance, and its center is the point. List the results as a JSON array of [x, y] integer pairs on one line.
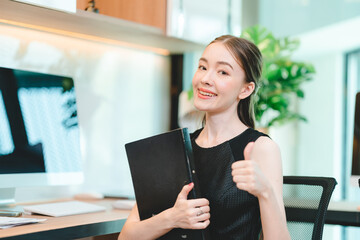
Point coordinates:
[[89, 196]]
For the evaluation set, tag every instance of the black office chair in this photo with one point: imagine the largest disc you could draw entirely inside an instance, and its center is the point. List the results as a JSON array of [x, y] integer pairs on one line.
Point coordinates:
[[306, 201]]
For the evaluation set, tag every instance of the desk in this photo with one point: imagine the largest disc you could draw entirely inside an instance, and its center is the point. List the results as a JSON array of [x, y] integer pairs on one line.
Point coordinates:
[[71, 227], [112, 221], [343, 213], [339, 213]]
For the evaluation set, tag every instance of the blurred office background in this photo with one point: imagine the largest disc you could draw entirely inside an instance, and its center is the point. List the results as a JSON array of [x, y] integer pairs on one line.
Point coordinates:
[[124, 91]]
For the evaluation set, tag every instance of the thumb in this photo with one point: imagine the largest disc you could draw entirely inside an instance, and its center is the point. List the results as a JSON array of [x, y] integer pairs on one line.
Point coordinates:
[[185, 191], [248, 150]]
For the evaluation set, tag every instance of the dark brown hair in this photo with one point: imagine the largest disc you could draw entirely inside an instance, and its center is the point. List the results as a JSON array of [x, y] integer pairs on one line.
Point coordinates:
[[249, 57]]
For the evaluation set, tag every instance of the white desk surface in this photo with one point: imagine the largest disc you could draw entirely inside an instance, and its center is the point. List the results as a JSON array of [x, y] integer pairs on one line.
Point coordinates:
[[68, 222], [344, 206]]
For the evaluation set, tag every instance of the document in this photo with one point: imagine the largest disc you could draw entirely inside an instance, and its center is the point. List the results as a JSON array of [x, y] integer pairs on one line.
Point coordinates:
[[8, 222]]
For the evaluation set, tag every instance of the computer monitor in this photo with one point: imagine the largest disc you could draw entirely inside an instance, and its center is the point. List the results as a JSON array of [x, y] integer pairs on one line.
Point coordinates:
[[39, 133], [355, 166]]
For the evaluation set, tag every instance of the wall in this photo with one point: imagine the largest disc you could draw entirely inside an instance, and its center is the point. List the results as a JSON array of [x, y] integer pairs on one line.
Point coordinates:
[[122, 94], [319, 140], [286, 17]]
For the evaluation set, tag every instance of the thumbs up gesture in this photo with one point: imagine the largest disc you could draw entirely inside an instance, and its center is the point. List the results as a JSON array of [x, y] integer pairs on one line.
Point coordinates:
[[247, 174]]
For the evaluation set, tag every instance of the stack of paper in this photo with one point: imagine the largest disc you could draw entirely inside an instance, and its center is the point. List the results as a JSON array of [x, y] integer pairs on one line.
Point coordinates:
[[8, 222]]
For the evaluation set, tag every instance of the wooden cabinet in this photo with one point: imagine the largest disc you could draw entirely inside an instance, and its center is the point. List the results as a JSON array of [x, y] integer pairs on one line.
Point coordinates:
[[148, 12], [95, 27]]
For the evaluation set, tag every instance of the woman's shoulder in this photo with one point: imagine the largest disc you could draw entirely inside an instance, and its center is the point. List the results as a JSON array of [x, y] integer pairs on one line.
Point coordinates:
[[266, 145], [262, 140], [249, 135], [239, 143], [253, 134]]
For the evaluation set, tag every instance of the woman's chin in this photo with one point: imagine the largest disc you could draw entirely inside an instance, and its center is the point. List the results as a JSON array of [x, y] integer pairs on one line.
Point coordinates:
[[200, 107]]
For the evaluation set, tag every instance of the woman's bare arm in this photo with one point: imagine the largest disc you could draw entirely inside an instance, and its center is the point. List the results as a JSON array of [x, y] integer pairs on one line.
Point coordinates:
[[184, 214], [261, 175]]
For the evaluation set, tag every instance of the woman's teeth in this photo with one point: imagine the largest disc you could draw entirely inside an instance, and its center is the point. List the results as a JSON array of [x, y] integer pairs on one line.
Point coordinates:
[[207, 94]]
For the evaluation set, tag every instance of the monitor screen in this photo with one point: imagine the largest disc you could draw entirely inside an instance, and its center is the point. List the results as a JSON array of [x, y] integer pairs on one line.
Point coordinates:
[[39, 133], [355, 169]]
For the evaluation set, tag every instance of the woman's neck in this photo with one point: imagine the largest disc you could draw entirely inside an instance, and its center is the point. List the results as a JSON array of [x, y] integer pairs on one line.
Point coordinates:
[[218, 129]]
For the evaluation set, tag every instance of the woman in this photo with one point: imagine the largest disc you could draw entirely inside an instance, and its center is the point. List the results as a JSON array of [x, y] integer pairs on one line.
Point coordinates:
[[244, 197]]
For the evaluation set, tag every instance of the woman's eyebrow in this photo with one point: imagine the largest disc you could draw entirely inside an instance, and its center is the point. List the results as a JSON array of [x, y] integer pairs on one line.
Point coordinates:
[[218, 62], [225, 63]]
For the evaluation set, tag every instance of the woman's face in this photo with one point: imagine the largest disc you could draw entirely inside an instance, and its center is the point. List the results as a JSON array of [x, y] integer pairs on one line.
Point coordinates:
[[219, 81]]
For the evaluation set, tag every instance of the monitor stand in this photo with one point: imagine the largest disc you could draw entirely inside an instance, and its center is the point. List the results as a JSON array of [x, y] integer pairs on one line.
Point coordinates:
[[7, 200], [7, 196]]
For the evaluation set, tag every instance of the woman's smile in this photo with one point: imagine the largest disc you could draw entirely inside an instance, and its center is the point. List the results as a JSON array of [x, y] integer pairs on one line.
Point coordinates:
[[205, 94]]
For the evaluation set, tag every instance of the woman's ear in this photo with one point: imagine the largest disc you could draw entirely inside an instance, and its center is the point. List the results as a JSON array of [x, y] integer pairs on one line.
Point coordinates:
[[247, 90]]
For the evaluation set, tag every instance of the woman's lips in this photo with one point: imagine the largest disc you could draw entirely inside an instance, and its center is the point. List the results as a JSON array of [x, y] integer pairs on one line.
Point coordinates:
[[205, 94]]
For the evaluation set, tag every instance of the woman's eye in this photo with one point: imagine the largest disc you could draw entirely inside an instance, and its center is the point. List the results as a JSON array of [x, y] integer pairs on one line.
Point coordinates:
[[223, 73], [202, 67]]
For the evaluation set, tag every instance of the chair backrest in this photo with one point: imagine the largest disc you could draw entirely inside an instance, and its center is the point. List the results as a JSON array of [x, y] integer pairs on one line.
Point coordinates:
[[306, 201]]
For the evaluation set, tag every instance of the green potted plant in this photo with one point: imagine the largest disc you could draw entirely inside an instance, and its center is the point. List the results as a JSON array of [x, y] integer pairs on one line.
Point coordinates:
[[282, 78], [281, 81]]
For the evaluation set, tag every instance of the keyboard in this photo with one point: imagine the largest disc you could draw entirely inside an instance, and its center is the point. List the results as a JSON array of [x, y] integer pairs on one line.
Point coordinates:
[[59, 209]]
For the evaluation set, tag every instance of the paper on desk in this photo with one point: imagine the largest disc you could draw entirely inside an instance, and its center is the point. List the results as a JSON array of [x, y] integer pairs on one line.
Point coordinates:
[[8, 222]]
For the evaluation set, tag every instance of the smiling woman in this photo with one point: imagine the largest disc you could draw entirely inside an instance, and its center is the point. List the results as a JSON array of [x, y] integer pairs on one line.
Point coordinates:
[[238, 168]]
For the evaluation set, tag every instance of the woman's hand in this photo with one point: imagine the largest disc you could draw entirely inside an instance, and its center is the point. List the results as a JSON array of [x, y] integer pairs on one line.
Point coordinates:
[[248, 176], [192, 213]]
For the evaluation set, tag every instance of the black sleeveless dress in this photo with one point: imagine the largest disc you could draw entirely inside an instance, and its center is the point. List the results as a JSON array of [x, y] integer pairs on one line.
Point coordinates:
[[235, 214]]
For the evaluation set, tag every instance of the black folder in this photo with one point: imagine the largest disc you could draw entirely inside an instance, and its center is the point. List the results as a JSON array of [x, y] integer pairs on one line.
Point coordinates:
[[160, 166]]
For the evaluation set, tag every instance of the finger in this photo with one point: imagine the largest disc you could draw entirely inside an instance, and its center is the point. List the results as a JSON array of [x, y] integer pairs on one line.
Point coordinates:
[[199, 202], [248, 150], [245, 186], [205, 209], [243, 179], [203, 217], [185, 191], [243, 171], [201, 225], [241, 164]]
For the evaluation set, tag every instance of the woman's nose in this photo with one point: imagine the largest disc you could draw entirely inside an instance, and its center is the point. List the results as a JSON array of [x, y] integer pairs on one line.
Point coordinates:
[[206, 78]]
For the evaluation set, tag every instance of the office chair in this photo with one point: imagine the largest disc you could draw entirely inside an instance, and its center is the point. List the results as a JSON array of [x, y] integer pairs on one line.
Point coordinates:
[[306, 201]]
